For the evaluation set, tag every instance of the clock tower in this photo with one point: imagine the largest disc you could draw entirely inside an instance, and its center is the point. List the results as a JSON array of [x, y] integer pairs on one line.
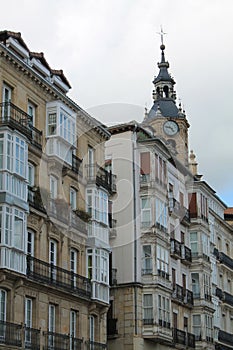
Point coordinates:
[[167, 120]]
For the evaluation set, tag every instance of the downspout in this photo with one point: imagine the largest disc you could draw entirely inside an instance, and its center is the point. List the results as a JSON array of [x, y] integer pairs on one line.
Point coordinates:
[[135, 232]]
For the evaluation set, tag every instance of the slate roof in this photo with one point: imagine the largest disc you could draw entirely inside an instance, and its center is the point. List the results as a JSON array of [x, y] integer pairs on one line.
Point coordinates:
[[164, 108]]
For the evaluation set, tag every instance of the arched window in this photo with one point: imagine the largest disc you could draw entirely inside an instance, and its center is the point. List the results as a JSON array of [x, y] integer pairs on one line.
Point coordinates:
[[165, 91]]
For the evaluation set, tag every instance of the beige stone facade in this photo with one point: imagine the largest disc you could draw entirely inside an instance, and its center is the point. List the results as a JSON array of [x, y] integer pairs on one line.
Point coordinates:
[[54, 252]]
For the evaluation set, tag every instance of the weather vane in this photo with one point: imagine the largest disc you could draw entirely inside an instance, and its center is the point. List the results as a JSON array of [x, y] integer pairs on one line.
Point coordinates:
[[161, 33]]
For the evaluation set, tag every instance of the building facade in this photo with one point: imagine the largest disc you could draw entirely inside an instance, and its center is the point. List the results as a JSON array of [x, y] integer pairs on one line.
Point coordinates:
[[54, 246], [171, 250]]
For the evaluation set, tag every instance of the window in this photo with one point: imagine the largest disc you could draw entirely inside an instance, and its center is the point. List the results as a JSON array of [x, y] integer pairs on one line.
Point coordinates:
[[53, 258], [18, 230], [53, 186], [164, 311], [31, 175], [161, 213], [205, 246], [160, 170], [194, 243], [209, 328], [31, 113], [148, 309], [73, 325], [146, 259], [28, 319], [73, 265], [146, 212], [52, 123], [162, 261], [2, 306], [73, 198], [92, 330], [145, 166], [197, 326], [30, 243], [20, 156], [207, 287], [204, 207], [6, 98], [195, 285], [91, 162], [51, 339], [67, 127]]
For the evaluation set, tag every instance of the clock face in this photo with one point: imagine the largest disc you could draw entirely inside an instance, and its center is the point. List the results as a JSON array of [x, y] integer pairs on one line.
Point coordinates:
[[170, 127]]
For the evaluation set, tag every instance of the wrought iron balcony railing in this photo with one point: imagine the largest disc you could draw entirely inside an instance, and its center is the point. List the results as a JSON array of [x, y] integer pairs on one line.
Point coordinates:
[[225, 337], [10, 333], [32, 338], [186, 254], [69, 281], [101, 177], [183, 338], [182, 295], [175, 248], [16, 118]]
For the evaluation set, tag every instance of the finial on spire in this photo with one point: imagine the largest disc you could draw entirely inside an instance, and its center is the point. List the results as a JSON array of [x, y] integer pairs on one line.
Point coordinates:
[[162, 33]]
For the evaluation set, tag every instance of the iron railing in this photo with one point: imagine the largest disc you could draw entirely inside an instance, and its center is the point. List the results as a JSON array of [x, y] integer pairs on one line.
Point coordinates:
[[225, 337], [16, 118], [44, 272], [76, 164], [102, 177], [184, 338], [32, 338], [10, 333], [186, 254], [175, 248], [182, 295]]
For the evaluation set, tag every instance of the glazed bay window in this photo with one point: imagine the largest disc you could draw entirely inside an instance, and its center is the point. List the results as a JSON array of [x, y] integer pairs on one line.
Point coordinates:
[[146, 260], [98, 272], [207, 287], [12, 238], [13, 165], [145, 212], [28, 319], [162, 262], [145, 166], [97, 205], [61, 121], [148, 318], [163, 311]]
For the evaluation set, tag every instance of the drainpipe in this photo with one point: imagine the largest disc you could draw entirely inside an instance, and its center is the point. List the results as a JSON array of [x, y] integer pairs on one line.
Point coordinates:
[[135, 230]]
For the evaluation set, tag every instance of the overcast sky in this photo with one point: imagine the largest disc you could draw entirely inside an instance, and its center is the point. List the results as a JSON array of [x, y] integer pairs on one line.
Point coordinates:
[[109, 49]]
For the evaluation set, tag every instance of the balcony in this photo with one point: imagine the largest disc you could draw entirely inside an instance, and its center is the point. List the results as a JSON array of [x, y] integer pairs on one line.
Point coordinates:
[[186, 255], [224, 296], [92, 345], [175, 248], [32, 338], [112, 225], [10, 334], [184, 216], [101, 177], [46, 273], [57, 341], [182, 295], [15, 118], [226, 260], [183, 338], [173, 205], [225, 337], [112, 327]]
